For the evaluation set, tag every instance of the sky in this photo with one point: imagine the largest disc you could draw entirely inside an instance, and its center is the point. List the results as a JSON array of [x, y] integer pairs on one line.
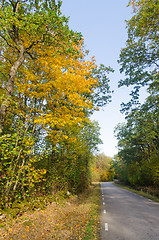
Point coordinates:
[[102, 24]]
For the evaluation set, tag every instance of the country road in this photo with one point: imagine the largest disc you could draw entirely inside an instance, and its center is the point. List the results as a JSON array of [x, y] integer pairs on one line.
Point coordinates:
[[127, 216]]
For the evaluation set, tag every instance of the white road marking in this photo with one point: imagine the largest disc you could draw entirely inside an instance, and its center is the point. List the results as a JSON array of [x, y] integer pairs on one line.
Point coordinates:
[[103, 198], [106, 227], [104, 211], [103, 203]]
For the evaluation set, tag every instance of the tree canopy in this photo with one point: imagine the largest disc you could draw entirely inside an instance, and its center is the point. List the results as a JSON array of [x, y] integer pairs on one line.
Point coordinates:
[[48, 92], [138, 139], [139, 59]]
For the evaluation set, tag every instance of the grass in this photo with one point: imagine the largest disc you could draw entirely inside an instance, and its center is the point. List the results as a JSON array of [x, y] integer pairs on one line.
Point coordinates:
[[68, 219], [145, 192]]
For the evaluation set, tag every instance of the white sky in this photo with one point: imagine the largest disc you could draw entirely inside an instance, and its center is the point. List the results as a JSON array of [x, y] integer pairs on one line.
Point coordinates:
[[102, 24]]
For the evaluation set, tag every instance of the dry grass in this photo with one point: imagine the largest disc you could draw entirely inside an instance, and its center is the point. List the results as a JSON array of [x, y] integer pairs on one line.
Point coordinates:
[[74, 218]]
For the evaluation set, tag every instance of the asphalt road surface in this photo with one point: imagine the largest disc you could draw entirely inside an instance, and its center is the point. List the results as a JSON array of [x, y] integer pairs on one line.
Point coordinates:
[[127, 216]]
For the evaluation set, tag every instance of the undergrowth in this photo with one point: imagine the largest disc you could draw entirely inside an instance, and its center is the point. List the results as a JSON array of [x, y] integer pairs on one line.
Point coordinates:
[[54, 217]]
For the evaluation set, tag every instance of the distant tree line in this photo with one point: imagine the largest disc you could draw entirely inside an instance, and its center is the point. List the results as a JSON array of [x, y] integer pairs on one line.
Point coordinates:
[[101, 168]]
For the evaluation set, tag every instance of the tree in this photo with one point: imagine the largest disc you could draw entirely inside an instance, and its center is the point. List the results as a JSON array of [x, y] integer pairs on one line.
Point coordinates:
[[26, 26], [48, 91], [138, 144], [68, 164], [139, 59], [101, 168], [27, 29], [138, 138]]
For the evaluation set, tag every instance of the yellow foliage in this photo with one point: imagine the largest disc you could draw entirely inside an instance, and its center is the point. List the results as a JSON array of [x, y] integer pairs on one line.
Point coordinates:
[[61, 83]]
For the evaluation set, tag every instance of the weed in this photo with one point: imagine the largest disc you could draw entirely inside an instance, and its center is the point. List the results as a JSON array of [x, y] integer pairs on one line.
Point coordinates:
[[74, 218]]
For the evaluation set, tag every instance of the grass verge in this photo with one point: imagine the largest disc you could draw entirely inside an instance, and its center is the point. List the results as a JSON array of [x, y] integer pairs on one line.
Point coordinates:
[[68, 219], [140, 192]]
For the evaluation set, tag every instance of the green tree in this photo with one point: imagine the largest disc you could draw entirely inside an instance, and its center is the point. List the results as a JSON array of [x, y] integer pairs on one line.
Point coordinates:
[[23, 26], [138, 144], [48, 91], [139, 59], [138, 138], [68, 163]]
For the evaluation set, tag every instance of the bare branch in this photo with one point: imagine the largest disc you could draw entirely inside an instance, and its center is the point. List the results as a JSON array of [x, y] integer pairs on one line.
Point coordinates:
[[6, 58], [2, 4], [17, 5], [31, 45], [13, 47], [156, 64], [4, 76], [30, 55]]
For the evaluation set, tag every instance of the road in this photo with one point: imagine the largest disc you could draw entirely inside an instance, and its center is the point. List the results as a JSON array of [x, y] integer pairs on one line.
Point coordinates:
[[127, 216]]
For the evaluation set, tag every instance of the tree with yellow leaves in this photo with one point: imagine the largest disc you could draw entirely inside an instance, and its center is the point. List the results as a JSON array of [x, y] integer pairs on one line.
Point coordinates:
[[47, 90]]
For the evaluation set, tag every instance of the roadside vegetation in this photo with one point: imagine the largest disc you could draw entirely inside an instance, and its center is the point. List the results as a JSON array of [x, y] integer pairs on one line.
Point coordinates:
[[59, 215], [148, 192], [137, 162], [49, 88], [71, 217]]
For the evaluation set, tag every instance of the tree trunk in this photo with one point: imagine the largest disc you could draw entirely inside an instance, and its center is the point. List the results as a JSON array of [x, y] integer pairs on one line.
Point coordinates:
[[10, 87]]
